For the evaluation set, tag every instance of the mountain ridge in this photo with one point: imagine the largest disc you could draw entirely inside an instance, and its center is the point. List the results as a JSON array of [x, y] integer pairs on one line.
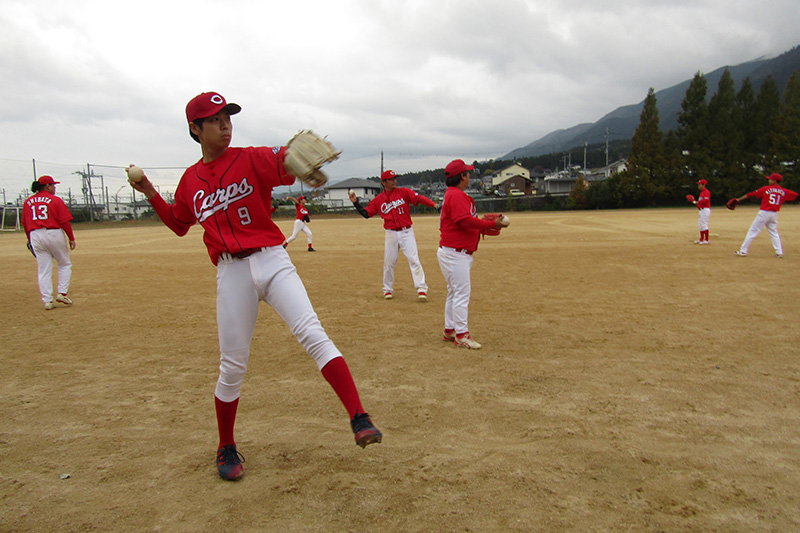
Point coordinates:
[[621, 123]]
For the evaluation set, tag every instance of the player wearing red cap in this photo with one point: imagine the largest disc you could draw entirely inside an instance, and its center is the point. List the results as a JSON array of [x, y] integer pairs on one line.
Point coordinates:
[[703, 204], [460, 230], [46, 219], [229, 192], [393, 207], [300, 222], [772, 196]]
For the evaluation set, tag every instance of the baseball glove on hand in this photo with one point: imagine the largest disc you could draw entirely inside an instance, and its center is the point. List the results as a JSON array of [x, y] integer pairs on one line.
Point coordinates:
[[690, 198], [306, 152], [492, 217], [732, 203]]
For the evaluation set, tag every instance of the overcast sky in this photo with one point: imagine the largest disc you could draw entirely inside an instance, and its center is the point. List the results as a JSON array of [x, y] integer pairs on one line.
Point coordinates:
[[425, 81]]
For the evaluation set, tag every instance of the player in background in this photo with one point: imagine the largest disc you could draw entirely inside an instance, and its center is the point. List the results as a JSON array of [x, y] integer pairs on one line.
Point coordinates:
[[229, 193], [772, 196], [460, 230], [301, 221], [703, 204], [393, 205], [46, 220]]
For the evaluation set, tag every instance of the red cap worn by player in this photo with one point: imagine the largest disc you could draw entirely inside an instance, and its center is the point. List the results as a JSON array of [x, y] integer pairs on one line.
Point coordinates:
[[208, 104], [774, 177], [455, 168], [388, 175], [48, 180], [702, 182]]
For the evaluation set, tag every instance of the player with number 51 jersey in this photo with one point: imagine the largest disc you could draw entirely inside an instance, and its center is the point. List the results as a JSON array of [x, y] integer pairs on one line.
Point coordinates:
[[772, 197]]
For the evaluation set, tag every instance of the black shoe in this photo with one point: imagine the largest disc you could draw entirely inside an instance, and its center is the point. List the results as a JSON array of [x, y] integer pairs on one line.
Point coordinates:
[[310, 249], [365, 432], [229, 463]]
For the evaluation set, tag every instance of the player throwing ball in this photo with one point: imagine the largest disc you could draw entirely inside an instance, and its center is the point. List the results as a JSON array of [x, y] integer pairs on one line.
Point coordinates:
[[772, 196], [229, 193], [301, 220], [460, 230], [393, 206]]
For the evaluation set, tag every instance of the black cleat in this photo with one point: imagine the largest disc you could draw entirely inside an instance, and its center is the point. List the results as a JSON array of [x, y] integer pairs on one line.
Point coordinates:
[[365, 432], [229, 463]]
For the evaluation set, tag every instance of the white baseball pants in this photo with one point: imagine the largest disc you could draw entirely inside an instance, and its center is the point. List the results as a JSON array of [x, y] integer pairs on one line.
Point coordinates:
[[768, 219], [456, 268], [703, 218], [268, 275], [50, 244], [406, 241], [299, 226]]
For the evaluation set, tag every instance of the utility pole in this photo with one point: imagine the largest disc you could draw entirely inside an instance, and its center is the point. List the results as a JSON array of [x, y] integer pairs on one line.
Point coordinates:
[[606, 152], [381, 163]]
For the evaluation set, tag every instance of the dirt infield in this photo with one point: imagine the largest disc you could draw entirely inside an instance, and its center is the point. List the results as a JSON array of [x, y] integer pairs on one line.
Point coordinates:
[[629, 380]]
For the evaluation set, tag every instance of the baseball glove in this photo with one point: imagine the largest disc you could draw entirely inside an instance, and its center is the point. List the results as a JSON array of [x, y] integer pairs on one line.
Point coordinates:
[[690, 198], [306, 152], [492, 217], [30, 248], [732, 203]]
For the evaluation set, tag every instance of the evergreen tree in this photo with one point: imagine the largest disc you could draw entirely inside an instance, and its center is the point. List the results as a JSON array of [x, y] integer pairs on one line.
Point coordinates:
[[746, 120], [577, 196], [643, 183], [786, 134], [693, 132], [725, 140], [768, 105]]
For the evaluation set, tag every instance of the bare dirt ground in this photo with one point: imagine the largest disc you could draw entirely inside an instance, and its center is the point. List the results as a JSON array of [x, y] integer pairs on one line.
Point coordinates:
[[629, 380]]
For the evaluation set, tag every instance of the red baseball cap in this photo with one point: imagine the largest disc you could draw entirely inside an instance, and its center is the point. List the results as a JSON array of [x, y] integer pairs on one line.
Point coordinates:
[[47, 180], [301, 198], [208, 104], [702, 182], [454, 168], [389, 174], [774, 176]]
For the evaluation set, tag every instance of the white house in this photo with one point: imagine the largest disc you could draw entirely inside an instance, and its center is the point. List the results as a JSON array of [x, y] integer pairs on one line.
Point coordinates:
[[336, 195]]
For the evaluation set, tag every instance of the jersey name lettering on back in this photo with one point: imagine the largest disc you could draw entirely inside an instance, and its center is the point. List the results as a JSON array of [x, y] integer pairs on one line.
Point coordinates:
[[206, 206], [386, 207]]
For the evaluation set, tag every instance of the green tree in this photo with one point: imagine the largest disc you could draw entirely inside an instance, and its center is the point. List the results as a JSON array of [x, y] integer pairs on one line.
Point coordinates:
[[693, 132], [786, 135], [725, 140], [577, 196], [768, 107], [643, 183]]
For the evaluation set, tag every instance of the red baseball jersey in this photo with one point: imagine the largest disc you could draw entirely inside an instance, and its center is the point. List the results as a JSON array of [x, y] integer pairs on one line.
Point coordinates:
[[393, 207], [459, 225], [231, 198], [773, 196], [704, 199], [301, 211], [46, 211]]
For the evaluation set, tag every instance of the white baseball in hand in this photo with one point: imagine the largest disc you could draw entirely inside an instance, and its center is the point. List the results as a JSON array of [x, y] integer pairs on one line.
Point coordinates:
[[505, 221], [135, 174], [351, 192]]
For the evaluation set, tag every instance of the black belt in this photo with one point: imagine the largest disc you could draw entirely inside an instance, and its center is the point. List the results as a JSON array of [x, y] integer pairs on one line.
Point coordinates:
[[400, 229], [242, 254]]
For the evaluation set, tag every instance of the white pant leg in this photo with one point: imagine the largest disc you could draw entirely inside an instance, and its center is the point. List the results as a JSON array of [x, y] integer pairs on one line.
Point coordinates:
[[408, 244], [298, 227], [280, 286], [755, 229], [703, 218], [44, 263], [237, 310], [772, 229], [390, 254], [456, 270], [307, 231]]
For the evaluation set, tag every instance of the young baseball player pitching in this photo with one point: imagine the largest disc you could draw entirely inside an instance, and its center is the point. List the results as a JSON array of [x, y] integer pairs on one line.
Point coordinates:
[[45, 220], [460, 230], [229, 192], [772, 196], [302, 218], [393, 206], [703, 204]]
